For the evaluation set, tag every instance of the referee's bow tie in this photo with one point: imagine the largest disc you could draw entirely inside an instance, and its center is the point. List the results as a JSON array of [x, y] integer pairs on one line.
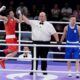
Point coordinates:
[[41, 23]]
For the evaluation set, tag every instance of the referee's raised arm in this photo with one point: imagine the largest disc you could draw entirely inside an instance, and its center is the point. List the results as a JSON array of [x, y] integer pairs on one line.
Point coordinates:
[[42, 17], [26, 20]]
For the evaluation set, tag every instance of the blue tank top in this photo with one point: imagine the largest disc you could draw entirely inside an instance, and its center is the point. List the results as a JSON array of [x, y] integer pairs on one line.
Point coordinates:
[[72, 34]]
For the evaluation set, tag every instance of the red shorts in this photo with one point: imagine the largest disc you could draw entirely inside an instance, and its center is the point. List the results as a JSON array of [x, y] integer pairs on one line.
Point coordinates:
[[11, 48]]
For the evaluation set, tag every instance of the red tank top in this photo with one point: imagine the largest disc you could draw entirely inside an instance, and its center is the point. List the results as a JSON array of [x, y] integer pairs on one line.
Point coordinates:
[[10, 26]]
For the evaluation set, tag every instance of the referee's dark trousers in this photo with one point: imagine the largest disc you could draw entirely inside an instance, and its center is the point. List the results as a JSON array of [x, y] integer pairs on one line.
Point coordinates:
[[42, 53]]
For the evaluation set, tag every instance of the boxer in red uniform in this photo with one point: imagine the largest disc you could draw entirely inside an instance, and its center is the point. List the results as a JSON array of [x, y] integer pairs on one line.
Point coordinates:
[[10, 26]]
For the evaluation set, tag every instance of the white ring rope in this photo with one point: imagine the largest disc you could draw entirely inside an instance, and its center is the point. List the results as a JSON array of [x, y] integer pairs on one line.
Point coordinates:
[[55, 22], [61, 22], [48, 59], [37, 45], [27, 32], [32, 41], [39, 71]]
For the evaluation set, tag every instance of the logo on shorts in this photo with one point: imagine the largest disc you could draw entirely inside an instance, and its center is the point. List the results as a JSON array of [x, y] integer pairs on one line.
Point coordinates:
[[74, 31]]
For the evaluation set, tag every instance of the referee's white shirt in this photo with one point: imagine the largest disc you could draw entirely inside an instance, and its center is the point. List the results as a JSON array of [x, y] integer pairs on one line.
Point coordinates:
[[41, 32]]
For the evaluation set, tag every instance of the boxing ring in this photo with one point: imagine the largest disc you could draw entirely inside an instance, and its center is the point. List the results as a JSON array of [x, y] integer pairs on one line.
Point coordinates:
[[19, 68]]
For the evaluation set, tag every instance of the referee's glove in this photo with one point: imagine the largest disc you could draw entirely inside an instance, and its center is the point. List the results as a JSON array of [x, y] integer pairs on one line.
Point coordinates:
[[2, 8], [19, 12]]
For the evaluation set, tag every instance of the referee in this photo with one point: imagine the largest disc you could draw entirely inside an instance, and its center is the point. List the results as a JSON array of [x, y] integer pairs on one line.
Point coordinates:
[[42, 31]]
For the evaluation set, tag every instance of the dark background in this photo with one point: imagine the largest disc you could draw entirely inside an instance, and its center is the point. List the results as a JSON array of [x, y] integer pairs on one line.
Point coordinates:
[[39, 3]]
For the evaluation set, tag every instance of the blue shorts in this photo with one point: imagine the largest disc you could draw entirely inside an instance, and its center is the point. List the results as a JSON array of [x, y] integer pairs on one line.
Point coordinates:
[[72, 52]]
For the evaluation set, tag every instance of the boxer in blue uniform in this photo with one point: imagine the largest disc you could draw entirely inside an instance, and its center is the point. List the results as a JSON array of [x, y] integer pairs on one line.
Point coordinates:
[[71, 32]]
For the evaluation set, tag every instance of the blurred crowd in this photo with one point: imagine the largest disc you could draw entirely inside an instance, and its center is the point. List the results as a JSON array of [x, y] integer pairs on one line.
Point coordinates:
[[55, 13]]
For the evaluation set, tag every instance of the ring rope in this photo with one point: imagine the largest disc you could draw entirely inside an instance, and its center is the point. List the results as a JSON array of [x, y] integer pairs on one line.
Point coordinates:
[[48, 59], [37, 45], [35, 71]]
